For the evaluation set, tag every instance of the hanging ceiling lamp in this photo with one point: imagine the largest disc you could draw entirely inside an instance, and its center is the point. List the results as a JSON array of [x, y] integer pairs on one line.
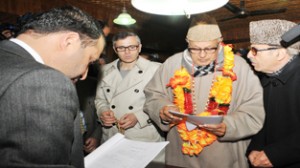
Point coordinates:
[[124, 18], [177, 7]]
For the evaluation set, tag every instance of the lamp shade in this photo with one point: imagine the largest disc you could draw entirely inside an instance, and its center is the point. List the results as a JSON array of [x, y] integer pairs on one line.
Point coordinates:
[[124, 19], [177, 7]]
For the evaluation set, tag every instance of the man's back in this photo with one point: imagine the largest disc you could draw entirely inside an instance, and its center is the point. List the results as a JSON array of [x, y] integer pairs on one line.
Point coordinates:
[[38, 106]]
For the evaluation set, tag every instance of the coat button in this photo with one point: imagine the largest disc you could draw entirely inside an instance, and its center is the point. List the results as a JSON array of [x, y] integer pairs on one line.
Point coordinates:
[[107, 90], [149, 121], [274, 83], [140, 71], [136, 90], [130, 107], [113, 106]]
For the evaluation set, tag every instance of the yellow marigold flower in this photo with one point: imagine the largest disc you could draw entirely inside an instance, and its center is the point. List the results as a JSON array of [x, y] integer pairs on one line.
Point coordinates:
[[205, 113], [221, 90]]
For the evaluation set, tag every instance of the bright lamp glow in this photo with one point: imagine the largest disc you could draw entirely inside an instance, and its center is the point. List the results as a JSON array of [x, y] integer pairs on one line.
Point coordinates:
[[124, 19], [177, 7]]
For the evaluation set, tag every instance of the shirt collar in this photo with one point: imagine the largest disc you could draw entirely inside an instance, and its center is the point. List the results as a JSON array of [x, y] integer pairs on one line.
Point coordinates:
[[30, 50]]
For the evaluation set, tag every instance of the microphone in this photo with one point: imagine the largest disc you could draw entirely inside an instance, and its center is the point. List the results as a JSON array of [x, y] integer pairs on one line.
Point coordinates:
[[291, 36]]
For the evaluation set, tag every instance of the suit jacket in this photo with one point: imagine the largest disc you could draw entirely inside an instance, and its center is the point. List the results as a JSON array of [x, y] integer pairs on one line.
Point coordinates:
[[39, 118]]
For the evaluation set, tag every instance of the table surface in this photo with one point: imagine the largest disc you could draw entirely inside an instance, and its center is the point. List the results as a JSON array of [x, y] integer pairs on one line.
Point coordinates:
[[160, 165]]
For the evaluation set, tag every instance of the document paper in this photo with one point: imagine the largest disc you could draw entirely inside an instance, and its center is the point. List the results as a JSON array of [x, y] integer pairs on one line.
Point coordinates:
[[120, 152], [193, 120]]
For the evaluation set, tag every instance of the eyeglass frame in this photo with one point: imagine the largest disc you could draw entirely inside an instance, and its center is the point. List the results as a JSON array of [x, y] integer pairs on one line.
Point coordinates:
[[254, 50], [199, 50], [130, 48]]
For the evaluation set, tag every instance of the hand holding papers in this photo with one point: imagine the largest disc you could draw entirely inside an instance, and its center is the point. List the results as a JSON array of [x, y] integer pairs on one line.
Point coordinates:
[[123, 153], [193, 120]]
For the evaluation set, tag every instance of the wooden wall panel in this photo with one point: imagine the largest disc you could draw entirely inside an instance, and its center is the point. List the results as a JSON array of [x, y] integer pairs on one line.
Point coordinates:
[[20, 7], [159, 32]]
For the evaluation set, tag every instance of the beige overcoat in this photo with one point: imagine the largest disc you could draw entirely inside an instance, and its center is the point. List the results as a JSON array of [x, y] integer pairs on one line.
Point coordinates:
[[125, 95], [245, 116]]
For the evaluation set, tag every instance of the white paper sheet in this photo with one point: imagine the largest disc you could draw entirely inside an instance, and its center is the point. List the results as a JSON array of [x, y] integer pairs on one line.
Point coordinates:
[[192, 120], [119, 152], [200, 120]]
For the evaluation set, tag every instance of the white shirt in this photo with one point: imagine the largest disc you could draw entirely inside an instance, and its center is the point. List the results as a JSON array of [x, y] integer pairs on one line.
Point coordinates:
[[31, 51]]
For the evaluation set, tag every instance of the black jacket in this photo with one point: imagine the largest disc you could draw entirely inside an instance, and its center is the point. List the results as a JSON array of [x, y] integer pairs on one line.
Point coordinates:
[[280, 136]]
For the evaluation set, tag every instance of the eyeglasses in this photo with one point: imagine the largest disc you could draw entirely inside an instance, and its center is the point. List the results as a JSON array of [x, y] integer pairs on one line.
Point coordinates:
[[255, 50], [206, 50], [123, 48]]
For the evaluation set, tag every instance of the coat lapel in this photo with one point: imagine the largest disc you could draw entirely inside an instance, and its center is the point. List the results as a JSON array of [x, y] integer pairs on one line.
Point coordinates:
[[112, 79], [133, 78]]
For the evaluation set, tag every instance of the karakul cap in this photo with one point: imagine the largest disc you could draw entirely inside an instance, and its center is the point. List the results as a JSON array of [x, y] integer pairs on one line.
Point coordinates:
[[270, 32]]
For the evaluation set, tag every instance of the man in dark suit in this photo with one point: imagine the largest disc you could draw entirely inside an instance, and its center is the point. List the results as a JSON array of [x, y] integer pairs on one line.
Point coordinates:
[[39, 110], [86, 90]]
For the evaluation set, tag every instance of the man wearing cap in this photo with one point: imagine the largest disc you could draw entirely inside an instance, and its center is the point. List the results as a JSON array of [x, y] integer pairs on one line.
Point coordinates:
[[278, 143], [206, 79]]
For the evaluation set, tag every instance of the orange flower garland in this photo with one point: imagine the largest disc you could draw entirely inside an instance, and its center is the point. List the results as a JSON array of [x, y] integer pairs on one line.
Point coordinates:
[[219, 98]]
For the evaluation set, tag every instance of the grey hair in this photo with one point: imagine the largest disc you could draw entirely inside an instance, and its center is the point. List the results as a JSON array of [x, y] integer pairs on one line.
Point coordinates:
[[292, 51]]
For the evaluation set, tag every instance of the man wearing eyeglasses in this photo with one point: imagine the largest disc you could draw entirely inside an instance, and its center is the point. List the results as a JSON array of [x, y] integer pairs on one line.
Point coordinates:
[[120, 96], [203, 60], [278, 143]]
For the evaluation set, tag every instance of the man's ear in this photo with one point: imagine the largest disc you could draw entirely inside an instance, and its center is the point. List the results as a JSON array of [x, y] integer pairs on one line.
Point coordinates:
[[69, 39], [281, 54], [115, 50], [140, 48], [221, 39], [186, 40]]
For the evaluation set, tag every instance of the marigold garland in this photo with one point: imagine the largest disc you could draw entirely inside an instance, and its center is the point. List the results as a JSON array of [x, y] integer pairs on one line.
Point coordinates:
[[219, 99]]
